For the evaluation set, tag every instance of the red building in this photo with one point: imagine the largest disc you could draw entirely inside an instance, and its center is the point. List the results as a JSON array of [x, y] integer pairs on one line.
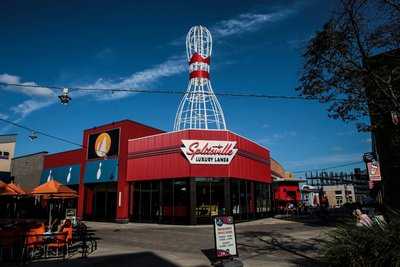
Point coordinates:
[[285, 187], [131, 172]]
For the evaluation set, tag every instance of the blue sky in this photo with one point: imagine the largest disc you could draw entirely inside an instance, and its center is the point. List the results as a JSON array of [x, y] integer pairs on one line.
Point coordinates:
[[104, 44]]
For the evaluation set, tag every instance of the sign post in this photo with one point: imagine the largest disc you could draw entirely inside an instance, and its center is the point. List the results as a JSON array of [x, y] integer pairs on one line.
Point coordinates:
[[225, 241]]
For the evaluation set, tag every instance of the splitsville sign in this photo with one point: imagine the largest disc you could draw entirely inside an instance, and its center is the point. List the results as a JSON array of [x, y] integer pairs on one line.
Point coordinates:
[[209, 151]]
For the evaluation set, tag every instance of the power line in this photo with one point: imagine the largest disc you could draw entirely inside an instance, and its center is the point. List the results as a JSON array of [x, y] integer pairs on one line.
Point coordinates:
[[76, 144], [157, 91], [82, 146], [331, 167], [40, 132]]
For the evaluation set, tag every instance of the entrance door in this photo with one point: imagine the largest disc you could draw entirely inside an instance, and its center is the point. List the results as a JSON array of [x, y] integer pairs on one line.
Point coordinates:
[[147, 201], [105, 201], [209, 199]]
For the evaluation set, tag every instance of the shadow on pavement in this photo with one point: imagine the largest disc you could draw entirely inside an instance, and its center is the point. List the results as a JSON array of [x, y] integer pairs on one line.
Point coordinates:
[[133, 259], [258, 243], [210, 254]]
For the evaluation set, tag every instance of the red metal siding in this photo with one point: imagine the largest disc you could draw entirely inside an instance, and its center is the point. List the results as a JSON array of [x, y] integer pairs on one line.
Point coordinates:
[[61, 159], [160, 157], [128, 129], [281, 192]]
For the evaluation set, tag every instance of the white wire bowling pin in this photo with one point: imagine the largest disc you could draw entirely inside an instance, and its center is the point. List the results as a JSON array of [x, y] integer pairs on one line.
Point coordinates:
[[199, 107]]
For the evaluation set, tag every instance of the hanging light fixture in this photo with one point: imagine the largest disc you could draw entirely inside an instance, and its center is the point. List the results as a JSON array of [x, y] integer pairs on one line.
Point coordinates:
[[33, 136], [64, 97]]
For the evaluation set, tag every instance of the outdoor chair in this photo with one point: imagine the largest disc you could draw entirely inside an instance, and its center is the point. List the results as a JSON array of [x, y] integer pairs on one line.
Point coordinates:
[[58, 243], [69, 232], [34, 242]]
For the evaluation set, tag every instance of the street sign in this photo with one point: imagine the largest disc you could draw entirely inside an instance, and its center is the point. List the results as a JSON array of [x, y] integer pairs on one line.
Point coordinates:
[[225, 237]]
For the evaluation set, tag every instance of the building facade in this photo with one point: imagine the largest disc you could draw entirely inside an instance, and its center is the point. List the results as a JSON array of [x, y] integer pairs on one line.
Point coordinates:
[[7, 149], [26, 170], [338, 195], [126, 171], [285, 187]]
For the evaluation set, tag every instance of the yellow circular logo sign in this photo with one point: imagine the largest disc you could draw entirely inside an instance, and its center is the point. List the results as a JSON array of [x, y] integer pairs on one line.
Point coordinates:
[[103, 144]]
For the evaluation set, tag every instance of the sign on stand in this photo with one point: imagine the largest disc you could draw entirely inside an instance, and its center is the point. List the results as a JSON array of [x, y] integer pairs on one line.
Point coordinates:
[[70, 214], [225, 237]]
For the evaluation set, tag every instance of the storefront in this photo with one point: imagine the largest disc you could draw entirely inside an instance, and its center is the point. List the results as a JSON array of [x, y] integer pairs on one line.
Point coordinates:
[[189, 176], [127, 171]]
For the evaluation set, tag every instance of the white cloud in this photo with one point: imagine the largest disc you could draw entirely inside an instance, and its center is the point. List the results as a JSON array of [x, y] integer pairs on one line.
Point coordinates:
[[3, 116], [28, 90], [43, 97], [25, 108], [141, 79], [276, 137], [247, 22]]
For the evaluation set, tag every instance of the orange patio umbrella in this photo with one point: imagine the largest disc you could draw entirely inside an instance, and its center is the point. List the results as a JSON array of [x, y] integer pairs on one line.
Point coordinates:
[[54, 190], [10, 189], [17, 189]]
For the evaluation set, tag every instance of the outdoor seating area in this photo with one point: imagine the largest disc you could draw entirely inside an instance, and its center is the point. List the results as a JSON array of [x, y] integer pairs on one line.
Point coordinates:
[[29, 241], [58, 235]]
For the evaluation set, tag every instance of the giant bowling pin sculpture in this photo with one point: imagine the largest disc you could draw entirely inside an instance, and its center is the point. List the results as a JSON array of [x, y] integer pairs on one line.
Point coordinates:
[[199, 107]]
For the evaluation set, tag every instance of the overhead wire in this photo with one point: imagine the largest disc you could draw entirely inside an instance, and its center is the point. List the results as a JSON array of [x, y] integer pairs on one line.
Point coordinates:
[[82, 146], [158, 91], [331, 167]]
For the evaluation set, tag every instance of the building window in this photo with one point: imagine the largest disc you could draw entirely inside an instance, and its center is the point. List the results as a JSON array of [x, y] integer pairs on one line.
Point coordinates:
[[339, 201], [4, 155]]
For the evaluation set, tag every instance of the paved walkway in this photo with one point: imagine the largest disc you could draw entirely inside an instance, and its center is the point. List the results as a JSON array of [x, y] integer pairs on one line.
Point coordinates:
[[266, 242]]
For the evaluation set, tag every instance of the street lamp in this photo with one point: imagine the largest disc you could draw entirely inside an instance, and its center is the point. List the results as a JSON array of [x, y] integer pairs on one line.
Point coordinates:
[[33, 136], [64, 97]]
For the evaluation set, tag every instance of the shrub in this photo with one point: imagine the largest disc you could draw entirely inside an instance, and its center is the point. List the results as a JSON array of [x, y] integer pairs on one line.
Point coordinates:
[[375, 245]]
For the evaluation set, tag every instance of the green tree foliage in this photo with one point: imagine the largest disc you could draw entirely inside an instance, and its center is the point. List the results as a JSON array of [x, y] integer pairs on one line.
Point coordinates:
[[337, 68]]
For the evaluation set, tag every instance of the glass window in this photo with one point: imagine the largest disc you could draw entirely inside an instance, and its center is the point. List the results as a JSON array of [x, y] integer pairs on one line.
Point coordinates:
[[137, 202], [210, 199], [203, 200], [155, 201], [250, 198], [261, 196], [167, 204], [243, 200], [235, 197], [181, 201]]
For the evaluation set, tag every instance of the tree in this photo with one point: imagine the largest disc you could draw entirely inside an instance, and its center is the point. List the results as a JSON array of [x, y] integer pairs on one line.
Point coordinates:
[[336, 69], [343, 70]]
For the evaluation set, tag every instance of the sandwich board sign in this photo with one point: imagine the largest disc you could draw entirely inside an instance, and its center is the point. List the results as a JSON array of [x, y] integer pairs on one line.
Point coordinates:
[[225, 237], [70, 214]]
